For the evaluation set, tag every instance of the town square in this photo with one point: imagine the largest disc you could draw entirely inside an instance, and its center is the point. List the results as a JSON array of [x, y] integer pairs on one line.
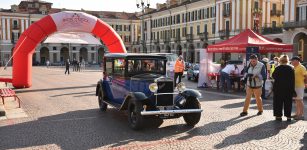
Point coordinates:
[[174, 74]]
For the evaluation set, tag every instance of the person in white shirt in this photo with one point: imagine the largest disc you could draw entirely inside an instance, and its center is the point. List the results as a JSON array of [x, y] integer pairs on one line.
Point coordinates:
[[229, 68]]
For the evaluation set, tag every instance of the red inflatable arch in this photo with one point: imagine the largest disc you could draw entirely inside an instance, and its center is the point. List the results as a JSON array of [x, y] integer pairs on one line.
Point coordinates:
[[65, 22]]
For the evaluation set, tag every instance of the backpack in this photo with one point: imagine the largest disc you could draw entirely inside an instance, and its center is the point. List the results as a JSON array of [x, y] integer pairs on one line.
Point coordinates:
[[244, 72]]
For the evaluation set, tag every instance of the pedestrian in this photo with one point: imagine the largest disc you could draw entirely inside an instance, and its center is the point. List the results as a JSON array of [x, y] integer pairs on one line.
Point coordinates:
[[47, 63], [78, 64], [179, 69], [283, 89], [67, 63], [300, 76], [264, 74], [82, 64], [225, 77], [253, 85], [274, 65], [74, 63]]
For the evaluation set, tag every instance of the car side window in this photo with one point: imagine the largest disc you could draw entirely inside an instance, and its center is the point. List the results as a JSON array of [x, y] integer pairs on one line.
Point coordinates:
[[119, 66], [109, 67]]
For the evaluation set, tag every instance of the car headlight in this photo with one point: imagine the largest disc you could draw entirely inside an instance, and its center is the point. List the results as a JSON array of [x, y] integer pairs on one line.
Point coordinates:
[[153, 87], [181, 87]]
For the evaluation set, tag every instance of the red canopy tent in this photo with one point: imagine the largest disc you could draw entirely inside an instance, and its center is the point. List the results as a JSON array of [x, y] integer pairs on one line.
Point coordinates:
[[249, 38]]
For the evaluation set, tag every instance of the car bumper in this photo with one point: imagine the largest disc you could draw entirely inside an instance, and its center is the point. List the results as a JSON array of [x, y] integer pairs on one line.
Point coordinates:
[[164, 112]]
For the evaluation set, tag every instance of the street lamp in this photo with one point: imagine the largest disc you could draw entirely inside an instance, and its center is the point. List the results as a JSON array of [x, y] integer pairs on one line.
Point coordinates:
[[141, 4]]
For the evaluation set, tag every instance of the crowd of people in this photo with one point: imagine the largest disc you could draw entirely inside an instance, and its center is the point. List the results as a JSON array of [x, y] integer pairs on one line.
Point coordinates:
[[288, 85], [77, 65], [288, 78]]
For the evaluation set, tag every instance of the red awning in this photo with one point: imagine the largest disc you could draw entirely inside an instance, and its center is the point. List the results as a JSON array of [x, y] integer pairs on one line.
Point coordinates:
[[238, 44]]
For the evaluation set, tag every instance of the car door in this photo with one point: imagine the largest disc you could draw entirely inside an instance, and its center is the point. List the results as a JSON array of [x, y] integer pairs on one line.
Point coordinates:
[[108, 78], [119, 80]]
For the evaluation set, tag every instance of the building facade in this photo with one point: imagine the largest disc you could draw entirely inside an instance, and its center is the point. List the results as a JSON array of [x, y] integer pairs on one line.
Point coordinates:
[[295, 26], [16, 20], [181, 27], [185, 26]]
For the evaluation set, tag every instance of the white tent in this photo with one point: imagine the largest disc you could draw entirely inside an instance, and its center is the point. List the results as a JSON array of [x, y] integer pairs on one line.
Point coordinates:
[[73, 38], [206, 66]]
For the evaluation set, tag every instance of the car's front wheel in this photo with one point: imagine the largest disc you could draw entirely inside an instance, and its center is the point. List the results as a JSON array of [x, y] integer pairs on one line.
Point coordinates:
[[135, 118], [102, 105], [192, 119]]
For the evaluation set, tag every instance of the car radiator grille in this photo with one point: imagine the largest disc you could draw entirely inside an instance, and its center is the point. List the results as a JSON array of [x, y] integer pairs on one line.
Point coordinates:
[[165, 99]]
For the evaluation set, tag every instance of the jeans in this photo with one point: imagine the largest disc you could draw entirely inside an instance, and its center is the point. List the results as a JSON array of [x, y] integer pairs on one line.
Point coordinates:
[[225, 77], [177, 74]]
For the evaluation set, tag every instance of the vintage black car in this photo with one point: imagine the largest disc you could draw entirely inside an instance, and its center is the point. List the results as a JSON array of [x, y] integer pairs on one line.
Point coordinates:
[[137, 84]]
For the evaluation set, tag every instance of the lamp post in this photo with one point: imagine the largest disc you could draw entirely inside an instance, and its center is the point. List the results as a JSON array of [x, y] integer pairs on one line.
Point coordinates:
[[141, 4]]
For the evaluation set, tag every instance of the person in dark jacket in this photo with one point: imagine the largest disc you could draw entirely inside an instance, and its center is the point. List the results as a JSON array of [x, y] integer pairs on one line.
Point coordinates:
[[283, 89], [67, 63], [264, 72]]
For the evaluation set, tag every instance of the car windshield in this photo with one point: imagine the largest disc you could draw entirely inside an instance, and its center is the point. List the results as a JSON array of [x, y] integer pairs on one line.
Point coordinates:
[[138, 66], [170, 57]]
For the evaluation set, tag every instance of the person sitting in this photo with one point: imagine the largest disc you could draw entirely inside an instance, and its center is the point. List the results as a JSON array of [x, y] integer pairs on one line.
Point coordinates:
[[235, 77]]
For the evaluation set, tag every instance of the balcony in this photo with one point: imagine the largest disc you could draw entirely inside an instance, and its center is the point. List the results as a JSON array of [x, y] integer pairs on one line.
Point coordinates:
[[166, 40], [189, 37], [271, 30], [203, 36], [224, 34], [295, 24], [155, 41], [226, 13], [276, 13], [177, 39], [136, 43], [16, 27]]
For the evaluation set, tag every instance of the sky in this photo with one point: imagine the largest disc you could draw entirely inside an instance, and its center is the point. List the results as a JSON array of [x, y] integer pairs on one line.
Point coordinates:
[[102, 5]]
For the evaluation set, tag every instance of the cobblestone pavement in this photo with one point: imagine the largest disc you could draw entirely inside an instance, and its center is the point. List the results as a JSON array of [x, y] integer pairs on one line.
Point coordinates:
[[63, 114]]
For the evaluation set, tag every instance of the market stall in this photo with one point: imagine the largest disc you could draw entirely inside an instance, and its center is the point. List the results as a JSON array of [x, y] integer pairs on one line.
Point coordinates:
[[237, 44]]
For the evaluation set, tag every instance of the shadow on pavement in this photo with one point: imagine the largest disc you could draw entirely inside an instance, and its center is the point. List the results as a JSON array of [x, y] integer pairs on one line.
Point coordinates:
[[214, 127], [84, 129], [267, 105], [53, 89], [259, 132], [304, 142], [77, 93]]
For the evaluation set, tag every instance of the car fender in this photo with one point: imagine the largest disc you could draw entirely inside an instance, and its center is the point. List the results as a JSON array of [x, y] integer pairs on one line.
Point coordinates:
[[98, 87], [135, 96], [190, 93], [184, 97]]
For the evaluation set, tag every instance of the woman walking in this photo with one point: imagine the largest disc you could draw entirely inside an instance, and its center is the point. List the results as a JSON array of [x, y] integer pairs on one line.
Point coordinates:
[[283, 89]]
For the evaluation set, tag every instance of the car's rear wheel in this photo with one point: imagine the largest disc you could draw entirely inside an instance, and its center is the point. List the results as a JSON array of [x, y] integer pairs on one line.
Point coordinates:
[[102, 105], [192, 119], [135, 118]]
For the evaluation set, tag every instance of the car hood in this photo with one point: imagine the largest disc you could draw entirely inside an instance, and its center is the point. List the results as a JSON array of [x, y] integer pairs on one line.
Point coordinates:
[[146, 77]]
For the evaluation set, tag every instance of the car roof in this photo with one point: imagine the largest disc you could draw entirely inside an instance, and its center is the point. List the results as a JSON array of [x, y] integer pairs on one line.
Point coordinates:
[[133, 55]]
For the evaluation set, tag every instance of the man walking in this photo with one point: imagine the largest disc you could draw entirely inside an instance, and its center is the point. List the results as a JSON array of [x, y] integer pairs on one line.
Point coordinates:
[[67, 63], [179, 69], [300, 75]]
